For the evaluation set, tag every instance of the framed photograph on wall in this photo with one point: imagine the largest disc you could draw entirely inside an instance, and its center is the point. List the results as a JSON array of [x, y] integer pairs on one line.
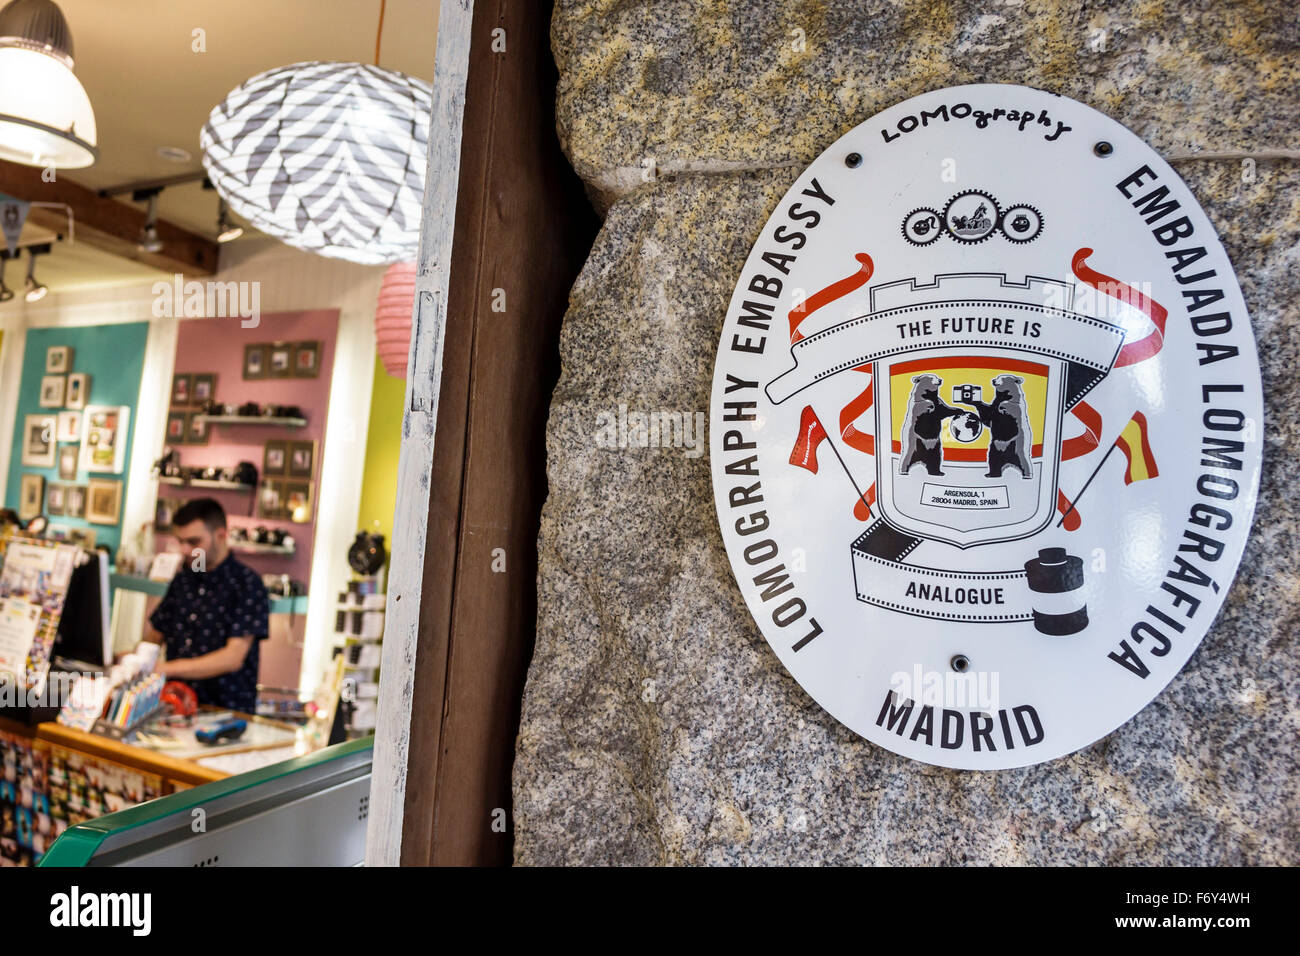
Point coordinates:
[[275, 458], [254, 361], [39, 433], [31, 496], [103, 444], [69, 458], [78, 390], [55, 499], [279, 360], [306, 359], [297, 501], [182, 389], [164, 510], [69, 426], [196, 429], [205, 387], [103, 500], [75, 504], [177, 433], [52, 387], [58, 358], [302, 459], [270, 499]]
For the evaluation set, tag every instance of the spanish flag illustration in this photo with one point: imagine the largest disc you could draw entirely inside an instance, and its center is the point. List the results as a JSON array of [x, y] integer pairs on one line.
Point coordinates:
[[1133, 443]]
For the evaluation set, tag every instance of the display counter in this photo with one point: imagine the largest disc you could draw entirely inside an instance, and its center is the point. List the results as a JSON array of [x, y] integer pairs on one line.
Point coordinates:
[[133, 582], [55, 776]]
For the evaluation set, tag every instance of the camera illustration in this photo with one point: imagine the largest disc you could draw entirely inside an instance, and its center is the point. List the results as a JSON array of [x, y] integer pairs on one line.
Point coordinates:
[[967, 394]]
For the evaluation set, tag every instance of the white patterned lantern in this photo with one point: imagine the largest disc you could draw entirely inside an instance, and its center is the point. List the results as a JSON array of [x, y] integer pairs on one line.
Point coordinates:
[[328, 157]]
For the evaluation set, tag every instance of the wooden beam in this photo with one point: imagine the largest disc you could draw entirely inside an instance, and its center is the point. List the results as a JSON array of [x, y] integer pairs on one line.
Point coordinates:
[[106, 223], [453, 677]]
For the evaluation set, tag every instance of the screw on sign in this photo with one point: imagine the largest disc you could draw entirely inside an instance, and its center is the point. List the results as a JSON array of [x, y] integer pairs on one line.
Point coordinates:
[[974, 365]]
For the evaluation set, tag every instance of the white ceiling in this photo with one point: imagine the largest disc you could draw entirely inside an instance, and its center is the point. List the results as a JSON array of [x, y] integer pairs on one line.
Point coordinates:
[[150, 89]]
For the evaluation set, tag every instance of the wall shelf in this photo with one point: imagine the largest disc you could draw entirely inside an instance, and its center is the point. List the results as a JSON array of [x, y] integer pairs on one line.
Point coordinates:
[[252, 420], [132, 582], [205, 483], [253, 547]]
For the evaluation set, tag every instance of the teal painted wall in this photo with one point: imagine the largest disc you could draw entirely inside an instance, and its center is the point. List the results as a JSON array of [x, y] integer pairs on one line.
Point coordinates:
[[113, 356]]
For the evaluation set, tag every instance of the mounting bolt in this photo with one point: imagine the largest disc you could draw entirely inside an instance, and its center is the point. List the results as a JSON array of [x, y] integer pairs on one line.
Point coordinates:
[[1103, 149], [853, 160], [960, 663]]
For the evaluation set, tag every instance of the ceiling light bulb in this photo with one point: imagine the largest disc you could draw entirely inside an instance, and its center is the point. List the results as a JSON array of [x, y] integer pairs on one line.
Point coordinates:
[[35, 290], [227, 231], [149, 241]]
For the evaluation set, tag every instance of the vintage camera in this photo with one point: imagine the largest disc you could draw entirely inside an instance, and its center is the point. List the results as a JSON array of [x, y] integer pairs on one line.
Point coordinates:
[[967, 394]]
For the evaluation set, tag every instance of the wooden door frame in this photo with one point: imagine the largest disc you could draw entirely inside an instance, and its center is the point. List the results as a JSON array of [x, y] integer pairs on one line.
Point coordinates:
[[506, 229]]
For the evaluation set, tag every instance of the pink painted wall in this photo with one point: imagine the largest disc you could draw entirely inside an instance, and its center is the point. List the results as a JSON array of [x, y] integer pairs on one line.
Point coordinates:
[[217, 345]]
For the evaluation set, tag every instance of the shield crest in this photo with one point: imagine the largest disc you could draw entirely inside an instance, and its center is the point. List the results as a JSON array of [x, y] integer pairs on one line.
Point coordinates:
[[968, 443]]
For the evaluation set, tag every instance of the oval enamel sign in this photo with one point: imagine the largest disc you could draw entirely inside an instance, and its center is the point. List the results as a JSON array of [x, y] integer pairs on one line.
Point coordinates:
[[986, 427]]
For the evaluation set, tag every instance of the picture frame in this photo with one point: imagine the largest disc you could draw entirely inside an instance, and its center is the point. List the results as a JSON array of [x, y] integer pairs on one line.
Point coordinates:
[[105, 430], [196, 429], [74, 505], [302, 459], [103, 500], [55, 499], [254, 362], [52, 389], [275, 457], [83, 538], [78, 393], [31, 496], [279, 360], [306, 359], [204, 387], [69, 462], [270, 498], [39, 441], [297, 501], [69, 427], [182, 389], [164, 510], [178, 432], [58, 359]]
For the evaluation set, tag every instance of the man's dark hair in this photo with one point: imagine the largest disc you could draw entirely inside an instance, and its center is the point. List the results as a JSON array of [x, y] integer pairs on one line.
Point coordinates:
[[207, 510]]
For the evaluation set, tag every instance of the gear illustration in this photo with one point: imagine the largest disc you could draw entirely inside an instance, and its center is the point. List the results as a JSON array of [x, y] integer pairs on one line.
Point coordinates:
[[922, 226], [1021, 223], [973, 225]]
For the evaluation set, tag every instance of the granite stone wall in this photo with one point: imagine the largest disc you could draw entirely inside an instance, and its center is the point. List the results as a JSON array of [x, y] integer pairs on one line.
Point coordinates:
[[658, 728]]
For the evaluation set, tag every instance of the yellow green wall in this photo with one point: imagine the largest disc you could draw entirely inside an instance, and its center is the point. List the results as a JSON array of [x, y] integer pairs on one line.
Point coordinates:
[[383, 442]]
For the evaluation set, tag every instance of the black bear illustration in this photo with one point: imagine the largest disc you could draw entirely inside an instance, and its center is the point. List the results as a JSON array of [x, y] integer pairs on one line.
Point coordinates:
[[923, 425], [1007, 418]]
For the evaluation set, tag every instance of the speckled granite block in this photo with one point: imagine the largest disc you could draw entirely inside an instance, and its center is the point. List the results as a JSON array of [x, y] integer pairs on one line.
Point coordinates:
[[769, 83], [657, 725]]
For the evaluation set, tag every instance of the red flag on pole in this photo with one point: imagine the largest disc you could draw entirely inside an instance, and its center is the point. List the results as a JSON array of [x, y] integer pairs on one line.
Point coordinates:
[[811, 434]]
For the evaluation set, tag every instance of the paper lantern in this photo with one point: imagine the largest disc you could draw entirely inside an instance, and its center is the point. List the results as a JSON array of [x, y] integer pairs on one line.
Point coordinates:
[[393, 317], [328, 157]]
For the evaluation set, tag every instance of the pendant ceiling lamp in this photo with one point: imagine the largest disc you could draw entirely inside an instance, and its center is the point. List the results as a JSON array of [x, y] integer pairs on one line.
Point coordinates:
[[45, 114], [328, 157], [393, 318]]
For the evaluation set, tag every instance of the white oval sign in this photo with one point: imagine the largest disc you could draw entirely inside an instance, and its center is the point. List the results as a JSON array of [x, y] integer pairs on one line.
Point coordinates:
[[986, 427]]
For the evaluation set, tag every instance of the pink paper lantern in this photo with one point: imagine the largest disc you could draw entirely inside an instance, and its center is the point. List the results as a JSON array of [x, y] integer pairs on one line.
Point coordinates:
[[393, 317]]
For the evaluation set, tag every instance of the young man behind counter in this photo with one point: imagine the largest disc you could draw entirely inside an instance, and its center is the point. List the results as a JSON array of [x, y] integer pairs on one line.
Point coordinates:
[[213, 614]]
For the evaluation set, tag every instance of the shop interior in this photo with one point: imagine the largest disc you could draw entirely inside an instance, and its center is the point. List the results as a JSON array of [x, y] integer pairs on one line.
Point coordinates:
[[208, 277]]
